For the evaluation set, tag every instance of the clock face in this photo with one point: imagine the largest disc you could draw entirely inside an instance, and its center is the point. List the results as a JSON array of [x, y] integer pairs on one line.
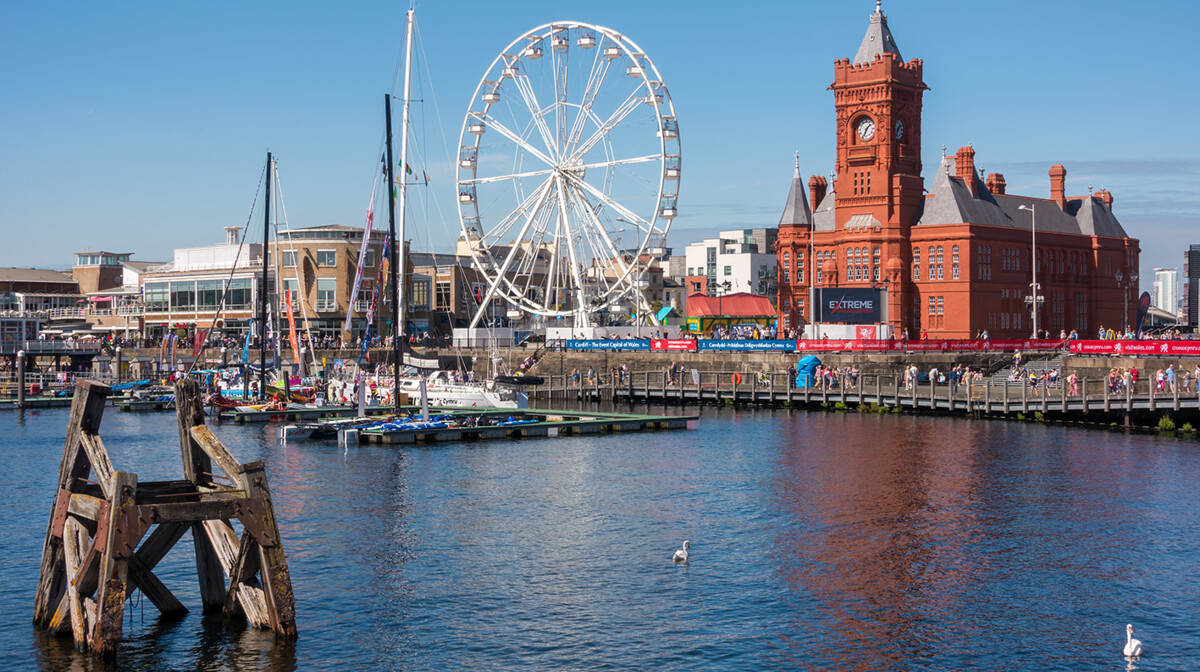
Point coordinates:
[[899, 130], [866, 129]]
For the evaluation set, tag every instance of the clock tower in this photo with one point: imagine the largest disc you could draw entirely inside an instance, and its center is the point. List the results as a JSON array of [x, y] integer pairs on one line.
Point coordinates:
[[878, 101]]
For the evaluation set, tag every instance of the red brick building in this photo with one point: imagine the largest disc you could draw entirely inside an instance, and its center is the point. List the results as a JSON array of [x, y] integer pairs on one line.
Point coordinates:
[[954, 259]]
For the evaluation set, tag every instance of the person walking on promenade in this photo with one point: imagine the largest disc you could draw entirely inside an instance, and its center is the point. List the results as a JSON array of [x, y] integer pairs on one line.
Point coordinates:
[[1073, 381], [1133, 379], [1170, 374]]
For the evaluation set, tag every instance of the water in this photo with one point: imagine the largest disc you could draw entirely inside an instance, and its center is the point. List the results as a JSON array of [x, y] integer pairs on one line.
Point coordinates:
[[819, 541]]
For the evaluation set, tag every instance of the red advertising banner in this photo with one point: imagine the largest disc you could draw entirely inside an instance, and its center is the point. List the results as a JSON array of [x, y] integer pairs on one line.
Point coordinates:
[[1183, 348], [950, 345], [675, 344]]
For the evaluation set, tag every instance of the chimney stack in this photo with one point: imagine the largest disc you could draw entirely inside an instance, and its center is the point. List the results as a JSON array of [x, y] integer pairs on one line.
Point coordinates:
[[1106, 197], [231, 235], [1058, 185], [964, 163], [995, 184], [816, 190]]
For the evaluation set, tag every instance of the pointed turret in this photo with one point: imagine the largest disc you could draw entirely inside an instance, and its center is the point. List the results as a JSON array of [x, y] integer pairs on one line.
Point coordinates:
[[878, 39], [796, 212]]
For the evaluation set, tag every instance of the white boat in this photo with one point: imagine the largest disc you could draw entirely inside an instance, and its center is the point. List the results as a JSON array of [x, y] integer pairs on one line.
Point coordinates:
[[443, 390]]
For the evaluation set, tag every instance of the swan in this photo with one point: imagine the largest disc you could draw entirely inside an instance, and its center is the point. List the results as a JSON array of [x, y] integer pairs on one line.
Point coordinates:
[[681, 555], [1133, 647]]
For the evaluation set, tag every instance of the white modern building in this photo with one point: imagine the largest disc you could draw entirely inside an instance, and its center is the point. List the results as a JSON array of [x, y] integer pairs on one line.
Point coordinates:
[[742, 258], [1166, 289]]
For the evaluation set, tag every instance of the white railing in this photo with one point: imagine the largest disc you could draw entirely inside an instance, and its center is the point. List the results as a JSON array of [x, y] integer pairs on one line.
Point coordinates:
[[326, 306], [361, 306]]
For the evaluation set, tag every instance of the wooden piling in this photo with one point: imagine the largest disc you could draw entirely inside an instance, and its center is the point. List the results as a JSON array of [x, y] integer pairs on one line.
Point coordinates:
[[84, 582]]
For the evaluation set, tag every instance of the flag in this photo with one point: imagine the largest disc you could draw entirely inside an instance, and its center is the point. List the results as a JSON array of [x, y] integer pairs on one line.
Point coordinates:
[[407, 169], [246, 347], [426, 177], [199, 341]]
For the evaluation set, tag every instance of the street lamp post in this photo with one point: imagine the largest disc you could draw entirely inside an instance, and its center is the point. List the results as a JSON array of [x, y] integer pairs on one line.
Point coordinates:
[[1034, 299], [1133, 278], [724, 287]]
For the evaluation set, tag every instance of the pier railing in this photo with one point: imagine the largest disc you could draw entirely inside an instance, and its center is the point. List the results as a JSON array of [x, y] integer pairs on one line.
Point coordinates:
[[886, 391]]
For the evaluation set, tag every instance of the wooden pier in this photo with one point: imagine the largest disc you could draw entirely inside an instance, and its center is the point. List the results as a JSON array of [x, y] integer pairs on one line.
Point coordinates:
[[1094, 399], [91, 558]]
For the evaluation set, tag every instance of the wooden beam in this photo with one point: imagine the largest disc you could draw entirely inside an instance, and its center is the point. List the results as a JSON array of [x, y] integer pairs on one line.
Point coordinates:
[[203, 436], [276, 578], [150, 585], [87, 408], [189, 412], [114, 571], [85, 506], [102, 469], [74, 537]]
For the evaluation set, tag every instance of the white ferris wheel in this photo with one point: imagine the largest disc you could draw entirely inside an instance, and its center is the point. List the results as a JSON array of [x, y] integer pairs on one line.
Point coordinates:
[[568, 175]]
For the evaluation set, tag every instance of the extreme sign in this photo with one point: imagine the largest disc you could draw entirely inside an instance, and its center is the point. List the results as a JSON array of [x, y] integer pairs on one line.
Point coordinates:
[[850, 305]]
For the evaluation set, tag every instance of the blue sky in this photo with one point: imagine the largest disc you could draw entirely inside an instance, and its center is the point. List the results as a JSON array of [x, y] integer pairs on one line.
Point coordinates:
[[142, 126]]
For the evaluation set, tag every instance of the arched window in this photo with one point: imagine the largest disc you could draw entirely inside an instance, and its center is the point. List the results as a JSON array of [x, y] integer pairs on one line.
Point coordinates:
[[954, 262], [932, 264], [916, 264], [940, 260]]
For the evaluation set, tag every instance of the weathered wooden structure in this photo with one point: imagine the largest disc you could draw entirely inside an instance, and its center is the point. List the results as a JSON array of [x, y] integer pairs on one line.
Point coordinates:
[[92, 561]]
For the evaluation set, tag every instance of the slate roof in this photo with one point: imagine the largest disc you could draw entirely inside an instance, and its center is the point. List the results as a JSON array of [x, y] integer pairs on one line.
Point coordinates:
[[878, 40], [35, 275], [796, 212], [823, 215], [950, 202]]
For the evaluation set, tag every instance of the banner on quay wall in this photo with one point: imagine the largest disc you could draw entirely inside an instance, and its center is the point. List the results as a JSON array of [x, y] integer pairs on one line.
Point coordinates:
[[746, 345], [673, 344], [947, 345], [604, 344], [1181, 348]]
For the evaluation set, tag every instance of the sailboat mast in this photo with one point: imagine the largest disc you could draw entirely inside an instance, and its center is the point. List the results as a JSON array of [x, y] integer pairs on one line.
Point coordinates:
[[262, 289], [398, 268], [387, 113]]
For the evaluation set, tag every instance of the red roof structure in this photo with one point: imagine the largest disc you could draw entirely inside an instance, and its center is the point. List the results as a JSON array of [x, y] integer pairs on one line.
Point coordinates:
[[742, 304]]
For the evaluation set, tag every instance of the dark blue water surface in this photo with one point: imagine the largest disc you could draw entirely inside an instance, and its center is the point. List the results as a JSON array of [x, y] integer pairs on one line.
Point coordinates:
[[819, 541]]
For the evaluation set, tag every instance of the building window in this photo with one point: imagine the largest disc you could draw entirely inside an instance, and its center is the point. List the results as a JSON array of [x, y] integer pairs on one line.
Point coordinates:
[[238, 296], [728, 270], [289, 258], [158, 297], [208, 294], [954, 262], [916, 264], [442, 296], [326, 258], [326, 294], [183, 295], [369, 262], [941, 305], [941, 258], [291, 287], [933, 305], [419, 294]]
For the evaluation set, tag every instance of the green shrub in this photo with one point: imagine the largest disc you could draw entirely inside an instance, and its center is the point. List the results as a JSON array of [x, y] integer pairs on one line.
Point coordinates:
[[1187, 428], [1021, 416], [840, 407], [1166, 424], [1038, 417]]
